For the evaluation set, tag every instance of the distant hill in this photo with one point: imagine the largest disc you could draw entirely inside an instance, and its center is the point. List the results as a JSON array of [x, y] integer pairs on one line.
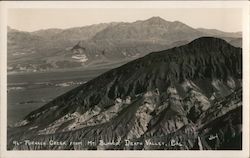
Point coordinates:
[[100, 44], [237, 42], [154, 29], [191, 94], [76, 33], [214, 32]]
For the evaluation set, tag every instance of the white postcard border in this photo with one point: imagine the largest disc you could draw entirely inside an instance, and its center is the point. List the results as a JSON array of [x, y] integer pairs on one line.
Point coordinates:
[[4, 6]]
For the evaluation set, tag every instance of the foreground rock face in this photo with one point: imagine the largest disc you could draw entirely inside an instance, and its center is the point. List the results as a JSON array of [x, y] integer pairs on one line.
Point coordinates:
[[189, 97]]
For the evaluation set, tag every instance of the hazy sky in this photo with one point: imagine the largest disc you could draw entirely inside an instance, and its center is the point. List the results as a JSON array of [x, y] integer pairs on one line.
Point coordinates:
[[35, 19]]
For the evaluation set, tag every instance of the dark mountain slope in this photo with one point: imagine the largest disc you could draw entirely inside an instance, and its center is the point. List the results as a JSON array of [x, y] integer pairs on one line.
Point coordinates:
[[204, 58], [167, 93]]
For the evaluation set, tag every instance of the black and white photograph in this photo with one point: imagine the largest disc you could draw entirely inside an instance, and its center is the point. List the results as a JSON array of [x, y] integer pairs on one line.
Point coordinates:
[[125, 79]]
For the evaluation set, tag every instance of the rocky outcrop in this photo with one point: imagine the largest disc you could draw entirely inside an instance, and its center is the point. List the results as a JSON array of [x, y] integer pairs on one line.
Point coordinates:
[[154, 124]]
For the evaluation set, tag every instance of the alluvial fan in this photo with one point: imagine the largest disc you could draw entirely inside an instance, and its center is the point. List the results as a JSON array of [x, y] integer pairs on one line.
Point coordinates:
[[187, 97]]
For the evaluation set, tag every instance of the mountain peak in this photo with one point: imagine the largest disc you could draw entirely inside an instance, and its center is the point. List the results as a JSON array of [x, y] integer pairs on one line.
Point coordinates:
[[208, 41], [156, 20], [10, 29]]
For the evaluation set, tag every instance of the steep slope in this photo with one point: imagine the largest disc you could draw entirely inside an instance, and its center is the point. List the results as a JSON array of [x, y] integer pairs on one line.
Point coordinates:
[[168, 97]]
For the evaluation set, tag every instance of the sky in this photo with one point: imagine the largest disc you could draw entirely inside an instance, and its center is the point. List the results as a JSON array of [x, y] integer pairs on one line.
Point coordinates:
[[226, 19]]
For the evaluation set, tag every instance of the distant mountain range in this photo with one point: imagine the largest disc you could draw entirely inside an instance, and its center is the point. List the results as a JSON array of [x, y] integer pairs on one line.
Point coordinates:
[[186, 97], [100, 44]]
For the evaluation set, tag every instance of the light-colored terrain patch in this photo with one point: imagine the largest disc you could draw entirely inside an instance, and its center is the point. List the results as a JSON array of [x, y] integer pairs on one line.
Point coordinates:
[[80, 58]]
